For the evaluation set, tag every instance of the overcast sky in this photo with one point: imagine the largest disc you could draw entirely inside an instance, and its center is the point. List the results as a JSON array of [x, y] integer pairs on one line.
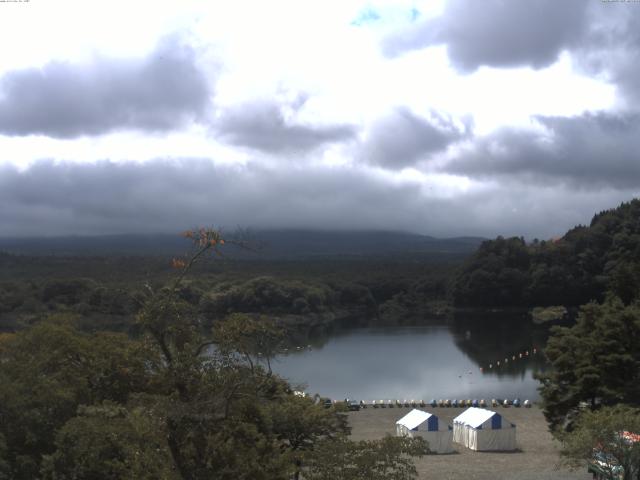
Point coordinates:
[[446, 118]]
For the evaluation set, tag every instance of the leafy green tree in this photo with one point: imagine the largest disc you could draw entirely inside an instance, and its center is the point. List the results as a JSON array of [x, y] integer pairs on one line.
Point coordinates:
[[387, 459], [606, 437], [227, 417], [164, 405], [624, 282], [5, 466], [254, 338], [300, 423], [47, 371], [596, 361], [108, 441]]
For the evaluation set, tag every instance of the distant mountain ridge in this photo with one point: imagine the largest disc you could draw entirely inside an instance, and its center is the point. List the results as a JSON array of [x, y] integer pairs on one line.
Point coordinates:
[[270, 244]]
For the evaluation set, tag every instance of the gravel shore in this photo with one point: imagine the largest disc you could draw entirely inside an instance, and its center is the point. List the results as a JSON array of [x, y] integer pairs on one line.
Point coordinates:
[[537, 457]]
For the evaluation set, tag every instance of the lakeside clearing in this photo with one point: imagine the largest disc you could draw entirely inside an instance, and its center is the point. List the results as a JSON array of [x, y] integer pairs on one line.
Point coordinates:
[[537, 457]]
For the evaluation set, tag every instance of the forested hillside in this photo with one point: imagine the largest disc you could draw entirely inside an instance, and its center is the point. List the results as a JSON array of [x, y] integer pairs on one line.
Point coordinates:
[[106, 291], [583, 265]]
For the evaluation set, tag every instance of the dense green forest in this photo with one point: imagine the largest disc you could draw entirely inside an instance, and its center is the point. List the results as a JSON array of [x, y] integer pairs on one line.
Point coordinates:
[[389, 288], [162, 404], [106, 291], [572, 270]]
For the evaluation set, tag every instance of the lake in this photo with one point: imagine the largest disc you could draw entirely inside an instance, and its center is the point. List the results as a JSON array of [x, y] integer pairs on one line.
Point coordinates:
[[420, 362]]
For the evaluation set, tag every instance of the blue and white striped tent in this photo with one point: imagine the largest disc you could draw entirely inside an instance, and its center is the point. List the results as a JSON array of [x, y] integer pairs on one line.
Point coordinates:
[[481, 429], [438, 434]]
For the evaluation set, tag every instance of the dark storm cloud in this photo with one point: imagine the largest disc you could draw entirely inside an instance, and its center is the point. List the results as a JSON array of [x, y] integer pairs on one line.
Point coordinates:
[[592, 150], [167, 196], [262, 125], [67, 100], [611, 49], [498, 33], [402, 138]]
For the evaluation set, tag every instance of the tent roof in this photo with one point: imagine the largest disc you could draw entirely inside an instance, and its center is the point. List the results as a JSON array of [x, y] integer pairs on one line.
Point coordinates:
[[414, 418], [474, 417]]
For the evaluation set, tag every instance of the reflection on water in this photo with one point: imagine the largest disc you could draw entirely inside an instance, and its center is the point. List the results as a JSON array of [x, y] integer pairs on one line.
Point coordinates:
[[420, 362]]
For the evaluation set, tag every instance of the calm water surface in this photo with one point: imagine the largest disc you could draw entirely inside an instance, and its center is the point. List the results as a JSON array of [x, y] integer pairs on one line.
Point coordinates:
[[417, 363]]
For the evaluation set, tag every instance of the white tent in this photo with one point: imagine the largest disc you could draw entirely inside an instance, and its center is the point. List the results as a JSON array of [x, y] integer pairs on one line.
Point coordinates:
[[439, 435], [480, 429]]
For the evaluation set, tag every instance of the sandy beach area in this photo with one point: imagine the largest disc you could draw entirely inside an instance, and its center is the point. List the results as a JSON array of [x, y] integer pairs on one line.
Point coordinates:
[[537, 457]]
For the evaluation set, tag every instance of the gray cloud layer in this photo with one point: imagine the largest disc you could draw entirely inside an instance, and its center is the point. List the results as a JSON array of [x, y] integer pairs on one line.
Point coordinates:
[[497, 32], [612, 48], [590, 150], [262, 125], [164, 196], [65, 100], [602, 36], [402, 138]]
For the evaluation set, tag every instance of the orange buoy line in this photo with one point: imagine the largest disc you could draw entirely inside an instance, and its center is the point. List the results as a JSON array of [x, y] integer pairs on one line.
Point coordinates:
[[519, 356]]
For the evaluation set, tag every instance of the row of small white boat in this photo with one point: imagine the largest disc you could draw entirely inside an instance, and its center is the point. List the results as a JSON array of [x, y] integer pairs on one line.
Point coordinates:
[[446, 403]]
